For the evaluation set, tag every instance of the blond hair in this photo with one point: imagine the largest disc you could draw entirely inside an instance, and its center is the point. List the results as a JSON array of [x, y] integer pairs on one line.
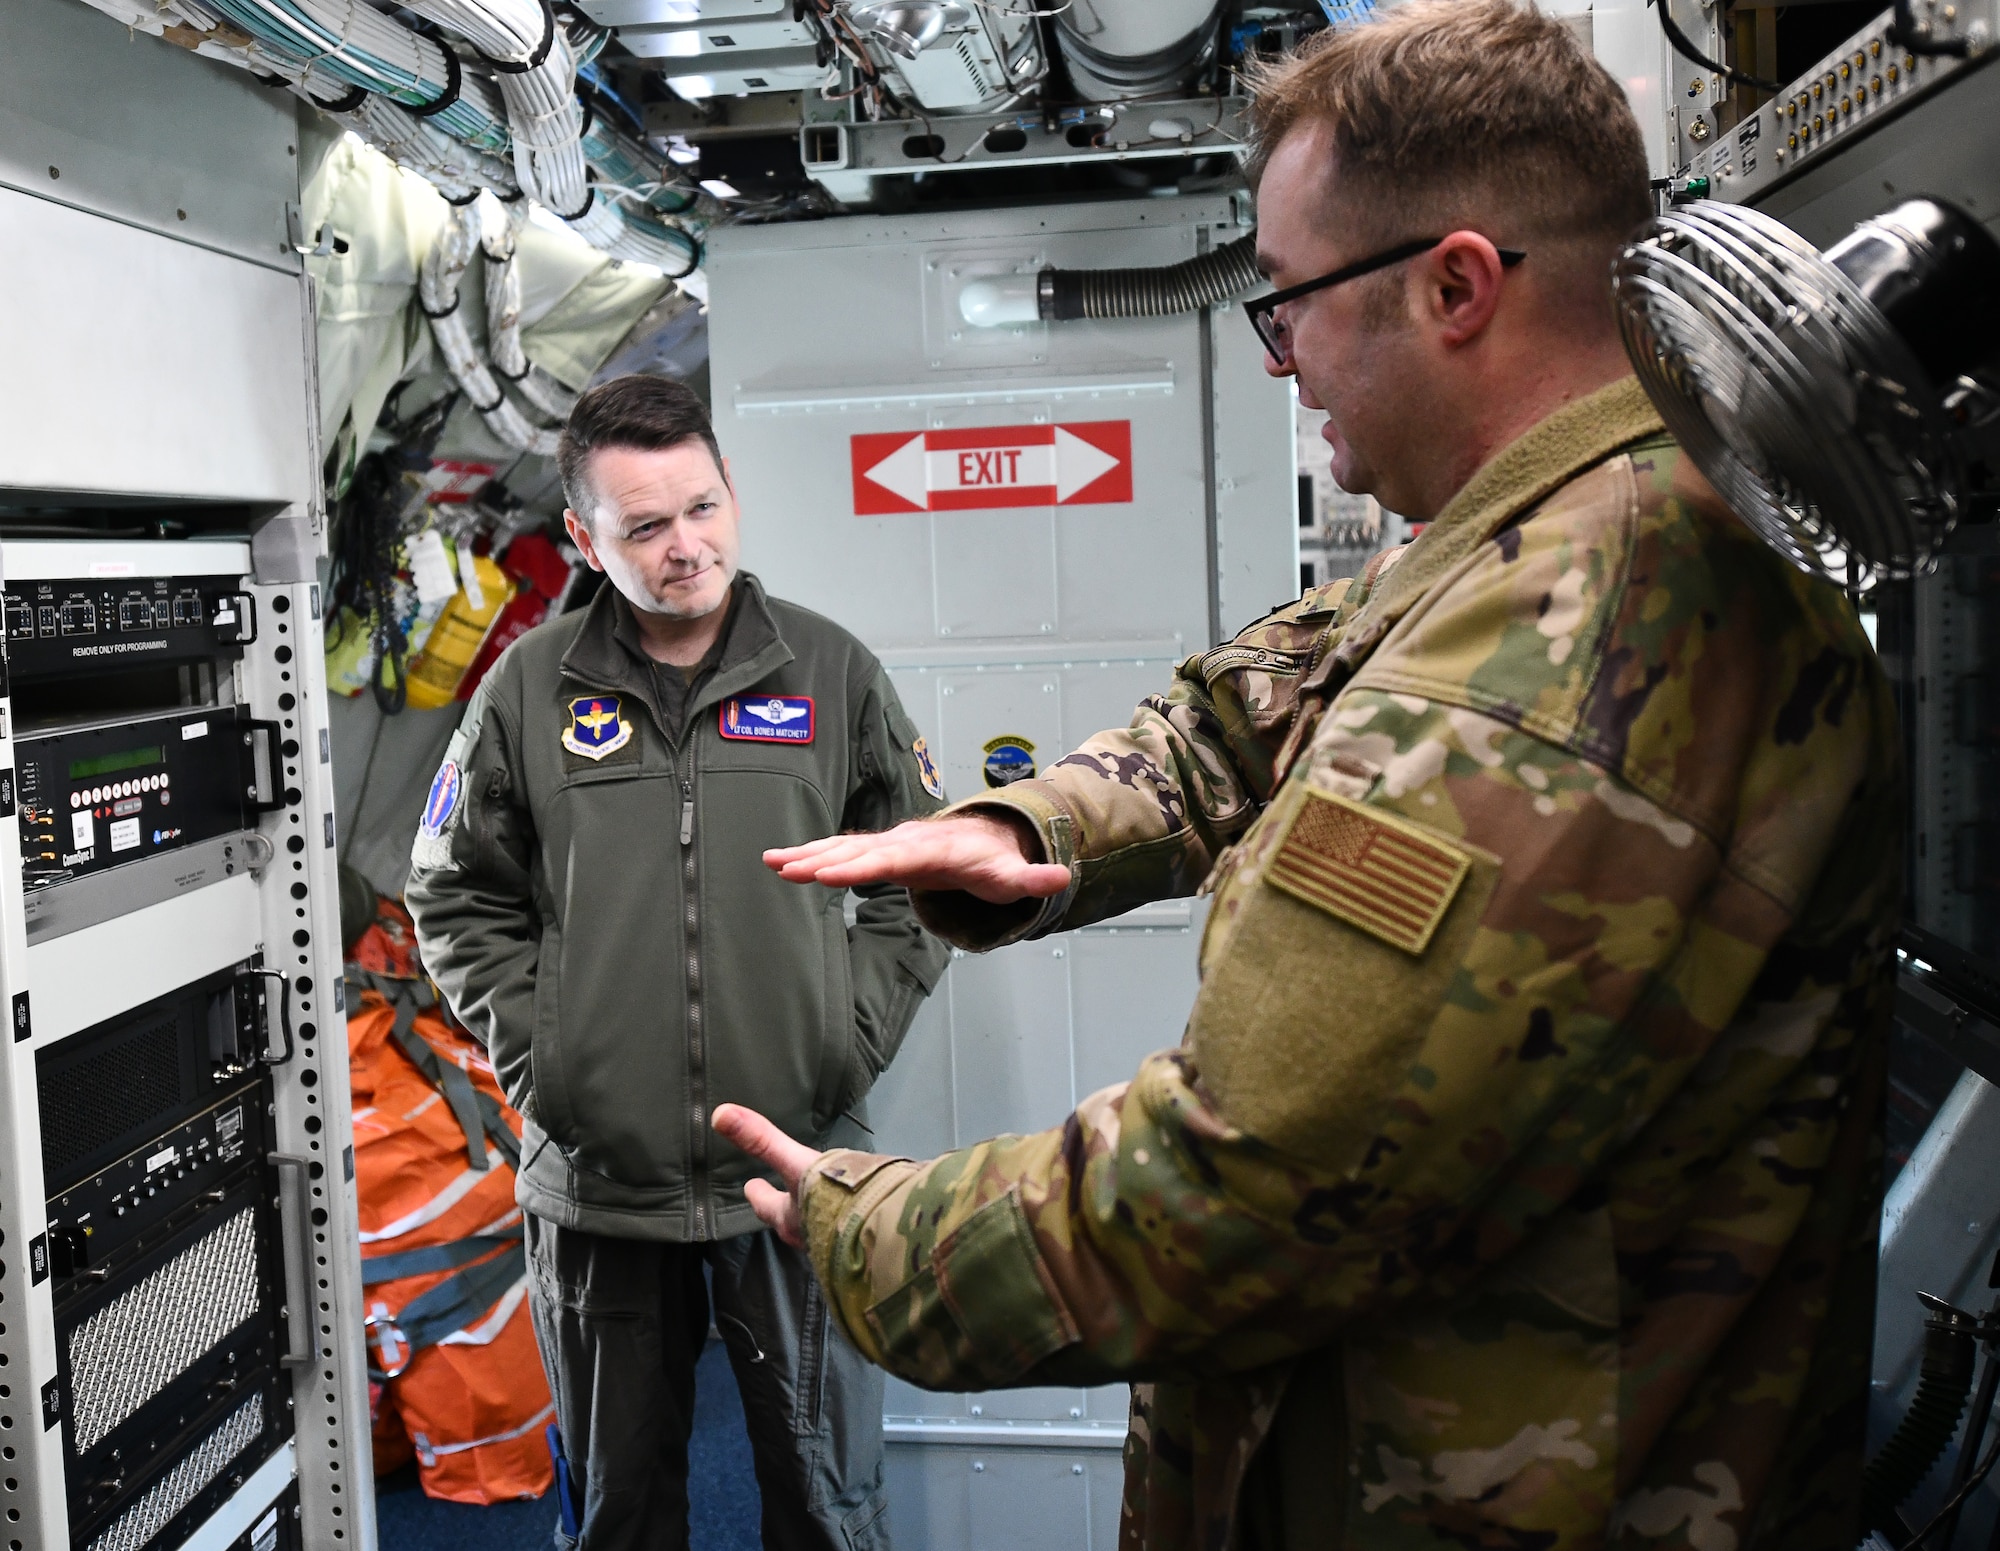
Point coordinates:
[[1464, 112]]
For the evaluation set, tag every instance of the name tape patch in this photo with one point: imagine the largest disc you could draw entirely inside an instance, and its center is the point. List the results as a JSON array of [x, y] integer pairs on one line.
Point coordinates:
[[768, 718], [1392, 879]]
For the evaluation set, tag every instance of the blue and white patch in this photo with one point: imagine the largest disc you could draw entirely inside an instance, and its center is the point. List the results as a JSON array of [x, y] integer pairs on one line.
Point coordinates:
[[596, 727], [442, 802], [1009, 758], [768, 718]]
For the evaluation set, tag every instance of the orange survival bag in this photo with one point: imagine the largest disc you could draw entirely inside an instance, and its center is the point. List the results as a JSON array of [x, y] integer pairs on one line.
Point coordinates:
[[455, 1377]]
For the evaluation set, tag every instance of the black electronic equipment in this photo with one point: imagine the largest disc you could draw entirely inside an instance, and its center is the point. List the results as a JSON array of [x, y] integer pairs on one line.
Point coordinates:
[[83, 626], [165, 1255], [95, 797], [108, 1091]]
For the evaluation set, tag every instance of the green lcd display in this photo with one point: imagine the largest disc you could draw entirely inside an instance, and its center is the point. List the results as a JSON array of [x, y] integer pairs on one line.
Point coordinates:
[[110, 764]]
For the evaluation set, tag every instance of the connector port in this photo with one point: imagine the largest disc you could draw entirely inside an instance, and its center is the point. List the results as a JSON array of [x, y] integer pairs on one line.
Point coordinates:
[[20, 620], [79, 618], [45, 618], [135, 614], [187, 609]]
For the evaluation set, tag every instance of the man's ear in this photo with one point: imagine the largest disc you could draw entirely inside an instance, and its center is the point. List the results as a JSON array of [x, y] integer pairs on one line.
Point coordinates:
[[1462, 279], [579, 535]]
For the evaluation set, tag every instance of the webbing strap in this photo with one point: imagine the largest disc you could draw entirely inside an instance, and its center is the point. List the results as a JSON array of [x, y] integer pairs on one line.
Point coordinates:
[[458, 1300], [432, 1257], [478, 1114]]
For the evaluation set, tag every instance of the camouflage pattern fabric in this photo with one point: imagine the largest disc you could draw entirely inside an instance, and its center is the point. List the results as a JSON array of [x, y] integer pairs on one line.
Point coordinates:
[[1558, 1233]]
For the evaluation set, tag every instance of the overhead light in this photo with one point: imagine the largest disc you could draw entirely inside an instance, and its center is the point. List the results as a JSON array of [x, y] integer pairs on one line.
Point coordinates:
[[720, 189], [680, 152], [907, 27], [691, 88]]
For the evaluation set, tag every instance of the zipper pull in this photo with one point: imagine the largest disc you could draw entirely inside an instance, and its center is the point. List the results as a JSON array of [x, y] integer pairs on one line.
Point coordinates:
[[687, 813]]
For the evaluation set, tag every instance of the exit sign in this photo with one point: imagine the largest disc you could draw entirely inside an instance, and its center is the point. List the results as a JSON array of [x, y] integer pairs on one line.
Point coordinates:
[[1088, 463]]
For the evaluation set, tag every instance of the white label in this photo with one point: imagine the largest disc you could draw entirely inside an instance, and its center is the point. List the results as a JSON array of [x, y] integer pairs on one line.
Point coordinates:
[[475, 594], [124, 834], [113, 568], [163, 1159], [194, 730], [430, 566], [265, 1536], [230, 1124], [80, 834]]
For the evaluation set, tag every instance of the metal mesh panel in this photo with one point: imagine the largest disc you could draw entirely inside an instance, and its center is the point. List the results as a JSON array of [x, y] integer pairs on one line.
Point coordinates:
[[138, 1524], [133, 1347], [104, 1096]]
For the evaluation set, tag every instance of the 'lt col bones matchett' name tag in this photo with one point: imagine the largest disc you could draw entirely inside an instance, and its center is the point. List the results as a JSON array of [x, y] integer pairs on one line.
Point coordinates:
[[1389, 877]]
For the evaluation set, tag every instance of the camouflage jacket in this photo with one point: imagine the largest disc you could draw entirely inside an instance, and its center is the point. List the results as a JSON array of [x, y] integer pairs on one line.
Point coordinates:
[[1515, 1184]]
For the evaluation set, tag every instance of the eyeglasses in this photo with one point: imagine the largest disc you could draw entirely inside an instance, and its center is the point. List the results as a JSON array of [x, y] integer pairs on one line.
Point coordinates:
[[1262, 311]]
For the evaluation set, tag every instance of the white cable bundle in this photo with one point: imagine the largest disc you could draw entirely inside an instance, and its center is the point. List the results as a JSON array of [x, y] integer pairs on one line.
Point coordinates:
[[536, 73], [453, 167], [360, 37], [437, 292], [503, 319], [547, 121]]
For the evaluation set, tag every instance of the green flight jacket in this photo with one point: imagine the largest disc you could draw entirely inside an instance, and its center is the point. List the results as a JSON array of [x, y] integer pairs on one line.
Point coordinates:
[[1516, 1182], [590, 896]]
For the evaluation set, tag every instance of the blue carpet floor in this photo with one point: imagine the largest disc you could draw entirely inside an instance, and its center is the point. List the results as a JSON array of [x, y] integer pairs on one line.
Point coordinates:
[[722, 1489]]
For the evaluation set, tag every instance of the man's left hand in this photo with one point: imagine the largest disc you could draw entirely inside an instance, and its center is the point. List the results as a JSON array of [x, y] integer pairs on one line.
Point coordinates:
[[750, 1131]]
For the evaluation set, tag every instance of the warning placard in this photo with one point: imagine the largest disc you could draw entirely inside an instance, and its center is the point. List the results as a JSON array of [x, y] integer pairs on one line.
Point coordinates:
[[1083, 464]]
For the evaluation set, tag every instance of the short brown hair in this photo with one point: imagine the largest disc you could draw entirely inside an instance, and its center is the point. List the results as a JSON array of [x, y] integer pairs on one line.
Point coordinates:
[[640, 413], [1442, 109]]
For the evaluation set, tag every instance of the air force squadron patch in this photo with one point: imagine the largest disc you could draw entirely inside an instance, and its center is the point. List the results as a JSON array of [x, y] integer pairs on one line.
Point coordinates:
[[442, 802], [595, 727], [768, 718], [927, 769]]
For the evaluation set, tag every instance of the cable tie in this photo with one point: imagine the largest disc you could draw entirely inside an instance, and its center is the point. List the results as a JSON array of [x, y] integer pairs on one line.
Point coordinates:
[[446, 312], [589, 198], [487, 409], [454, 79], [461, 201], [520, 376], [534, 60]]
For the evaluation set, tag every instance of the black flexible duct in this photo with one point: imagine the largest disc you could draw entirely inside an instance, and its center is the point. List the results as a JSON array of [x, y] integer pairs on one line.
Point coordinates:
[[1201, 281], [1950, 1346]]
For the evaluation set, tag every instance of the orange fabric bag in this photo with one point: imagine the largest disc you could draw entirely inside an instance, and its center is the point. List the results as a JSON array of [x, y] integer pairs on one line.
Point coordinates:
[[451, 1345]]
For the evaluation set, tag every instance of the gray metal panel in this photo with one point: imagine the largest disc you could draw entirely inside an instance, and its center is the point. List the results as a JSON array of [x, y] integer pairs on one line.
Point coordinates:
[[1943, 146], [98, 116], [138, 365], [1004, 1498]]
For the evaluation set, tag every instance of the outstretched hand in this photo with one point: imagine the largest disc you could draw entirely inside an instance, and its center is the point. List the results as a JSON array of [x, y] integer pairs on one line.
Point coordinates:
[[985, 856], [778, 1209]]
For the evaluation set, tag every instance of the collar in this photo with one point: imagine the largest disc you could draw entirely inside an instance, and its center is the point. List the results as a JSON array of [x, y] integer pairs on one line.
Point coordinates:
[[752, 648], [1540, 461]]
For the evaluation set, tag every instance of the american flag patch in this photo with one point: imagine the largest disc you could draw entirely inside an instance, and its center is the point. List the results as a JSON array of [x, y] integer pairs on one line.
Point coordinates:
[[1389, 877]]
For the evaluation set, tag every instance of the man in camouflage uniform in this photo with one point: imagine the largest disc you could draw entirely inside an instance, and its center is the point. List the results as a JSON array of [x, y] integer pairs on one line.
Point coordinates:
[[1516, 1182]]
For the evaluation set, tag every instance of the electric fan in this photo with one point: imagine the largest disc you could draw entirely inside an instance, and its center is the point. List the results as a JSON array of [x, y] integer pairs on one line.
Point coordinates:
[[1838, 401]]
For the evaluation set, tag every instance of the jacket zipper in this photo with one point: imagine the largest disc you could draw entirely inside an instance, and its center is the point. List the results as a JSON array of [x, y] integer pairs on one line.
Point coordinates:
[[696, 1035]]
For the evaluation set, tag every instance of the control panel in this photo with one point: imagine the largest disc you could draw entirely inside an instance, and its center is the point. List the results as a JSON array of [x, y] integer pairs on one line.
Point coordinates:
[[82, 626]]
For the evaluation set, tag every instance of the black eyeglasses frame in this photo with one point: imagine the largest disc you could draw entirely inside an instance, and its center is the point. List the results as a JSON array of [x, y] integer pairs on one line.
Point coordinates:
[[1260, 309]]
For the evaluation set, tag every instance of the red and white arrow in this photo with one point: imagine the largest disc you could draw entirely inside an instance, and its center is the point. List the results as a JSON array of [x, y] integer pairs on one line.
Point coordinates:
[[983, 467]]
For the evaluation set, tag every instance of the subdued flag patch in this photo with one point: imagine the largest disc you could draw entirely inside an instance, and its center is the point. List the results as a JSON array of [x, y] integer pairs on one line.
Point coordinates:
[[1392, 879]]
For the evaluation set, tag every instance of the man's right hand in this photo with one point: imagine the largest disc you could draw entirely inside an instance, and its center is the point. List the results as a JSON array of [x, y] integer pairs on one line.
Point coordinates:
[[986, 856]]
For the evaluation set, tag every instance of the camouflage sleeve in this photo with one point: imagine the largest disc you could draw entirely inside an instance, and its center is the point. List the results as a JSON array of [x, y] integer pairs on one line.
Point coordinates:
[[1358, 1117], [1141, 812], [471, 890], [895, 963]]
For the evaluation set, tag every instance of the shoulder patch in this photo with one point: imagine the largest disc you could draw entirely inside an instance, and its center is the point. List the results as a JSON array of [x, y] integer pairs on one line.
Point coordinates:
[[767, 718], [1389, 877], [927, 770], [1009, 758], [442, 802], [596, 726]]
